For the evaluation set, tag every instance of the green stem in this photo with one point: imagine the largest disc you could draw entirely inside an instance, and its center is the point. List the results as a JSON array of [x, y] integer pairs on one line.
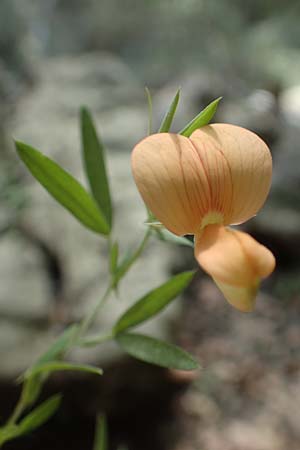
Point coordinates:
[[88, 320], [84, 326], [90, 317], [90, 341], [140, 249], [17, 412]]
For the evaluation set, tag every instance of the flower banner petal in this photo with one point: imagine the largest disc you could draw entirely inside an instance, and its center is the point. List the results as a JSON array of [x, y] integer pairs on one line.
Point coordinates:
[[172, 181], [249, 162]]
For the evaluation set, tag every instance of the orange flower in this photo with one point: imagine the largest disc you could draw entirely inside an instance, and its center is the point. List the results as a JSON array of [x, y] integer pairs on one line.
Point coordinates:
[[219, 176]]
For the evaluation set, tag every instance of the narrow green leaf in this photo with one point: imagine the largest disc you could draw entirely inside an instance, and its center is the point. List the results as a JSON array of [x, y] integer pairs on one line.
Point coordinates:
[[101, 438], [96, 339], [166, 235], [39, 415], [149, 101], [153, 302], [129, 260], [33, 382], [33, 420], [153, 223], [8, 432], [203, 118], [94, 161], [156, 352], [31, 389], [123, 268], [113, 257], [54, 366], [60, 346], [64, 188], [168, 119]]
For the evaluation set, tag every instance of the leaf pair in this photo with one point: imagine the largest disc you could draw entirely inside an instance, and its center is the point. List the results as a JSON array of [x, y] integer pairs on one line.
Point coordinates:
[[33, 420], [33, 380], [49, 362], [146, 348], [94, 212], [202, 119]]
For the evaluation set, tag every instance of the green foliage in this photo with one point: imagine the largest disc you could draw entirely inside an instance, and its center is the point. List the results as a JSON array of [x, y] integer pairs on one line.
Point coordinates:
[[101, 438], [150, 109], [156, 352], [122, 268], [54, 366], [64, 188], [167, 236], [95, 167], [128, 261], [203, 118], [33, 420], [8, 433], [113, 257], [95, 212], [60, 346], [40, 414], [33, 381], [168, 119], [31, 390], [153, 302]]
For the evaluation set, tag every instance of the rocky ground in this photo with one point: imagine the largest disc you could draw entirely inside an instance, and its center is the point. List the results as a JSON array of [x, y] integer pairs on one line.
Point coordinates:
[[247, 393], [43, 277]]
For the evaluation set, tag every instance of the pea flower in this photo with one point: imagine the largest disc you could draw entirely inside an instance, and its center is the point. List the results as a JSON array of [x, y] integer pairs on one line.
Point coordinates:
[[219, 176]]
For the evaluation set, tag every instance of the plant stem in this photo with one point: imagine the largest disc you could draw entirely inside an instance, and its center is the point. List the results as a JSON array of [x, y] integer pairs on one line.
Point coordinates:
[[140, 249], [90, 341], [17, 412], [90, 317], [84, 326]]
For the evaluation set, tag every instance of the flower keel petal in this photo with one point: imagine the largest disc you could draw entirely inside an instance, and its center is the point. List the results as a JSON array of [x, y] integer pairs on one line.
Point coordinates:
[[242, 298], [235, 261]]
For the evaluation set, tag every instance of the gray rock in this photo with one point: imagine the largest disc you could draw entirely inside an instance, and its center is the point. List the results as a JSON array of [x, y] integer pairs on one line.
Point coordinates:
[[47, 119]]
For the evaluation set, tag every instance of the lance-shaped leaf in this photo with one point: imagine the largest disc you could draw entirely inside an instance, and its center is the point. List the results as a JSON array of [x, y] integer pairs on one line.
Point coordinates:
[[149, 101], [54, 366], [123, 267], [39, 415], [101, 438], [168, 119], [156, 352], [153, 302], [8, 432], [95, 166], [203, 118], [64, 188], [33, 384], [113, 257], [31, 389], [165, 235], [60, 346], [128, 261], [33, 420]]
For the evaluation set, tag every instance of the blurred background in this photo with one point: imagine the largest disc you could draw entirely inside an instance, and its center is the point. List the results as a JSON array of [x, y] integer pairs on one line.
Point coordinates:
[[57, 55]]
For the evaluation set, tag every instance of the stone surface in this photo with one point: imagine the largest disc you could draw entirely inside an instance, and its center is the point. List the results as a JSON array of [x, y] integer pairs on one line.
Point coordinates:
[[47, 119]]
